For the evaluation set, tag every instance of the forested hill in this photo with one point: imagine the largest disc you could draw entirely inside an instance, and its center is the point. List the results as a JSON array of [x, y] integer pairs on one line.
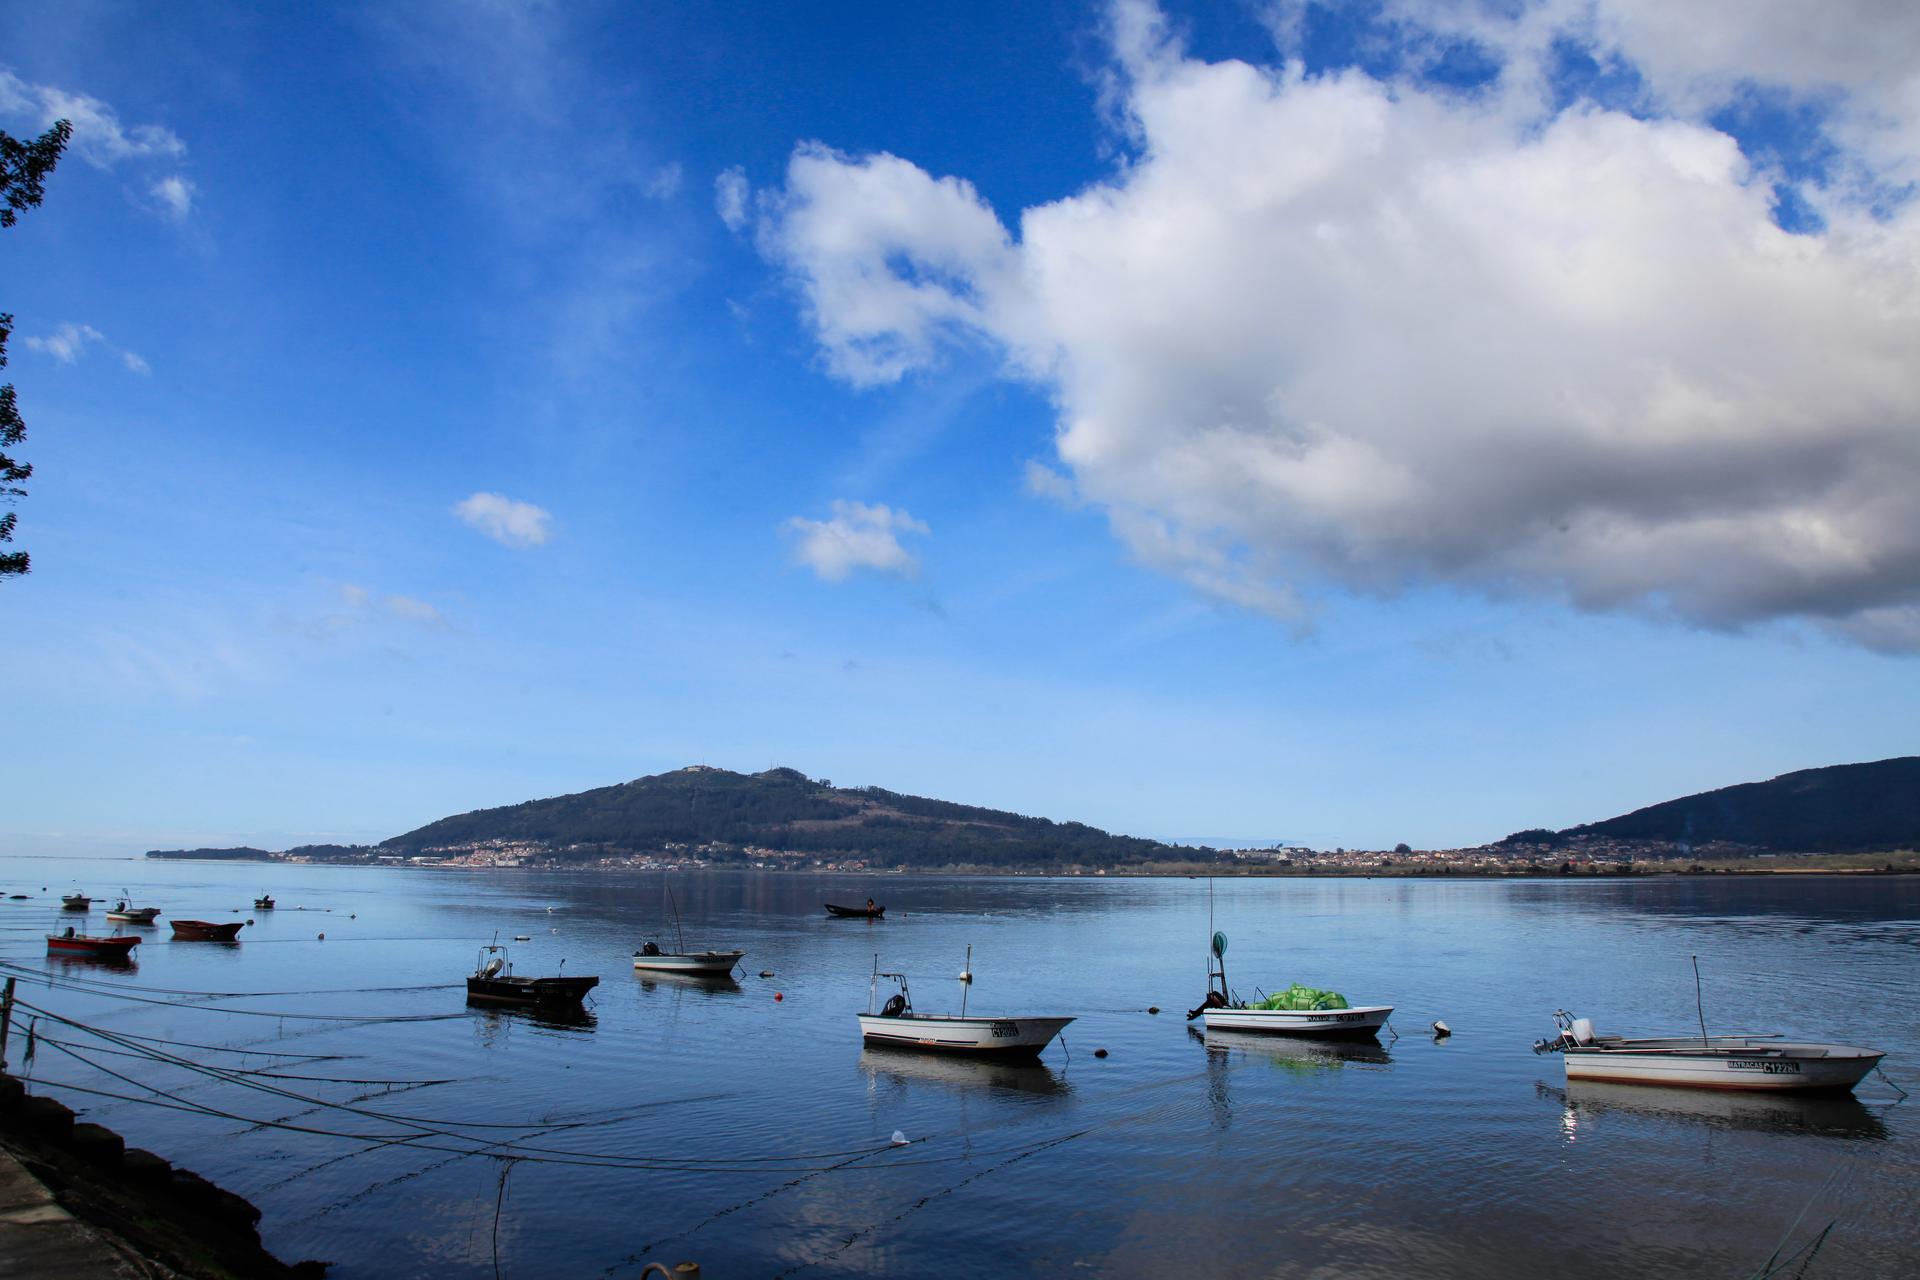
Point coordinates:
[[782, 809], [1839, 809]]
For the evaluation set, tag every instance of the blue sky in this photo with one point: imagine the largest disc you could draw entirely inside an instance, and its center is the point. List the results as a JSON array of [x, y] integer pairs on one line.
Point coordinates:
[[1394, 421]]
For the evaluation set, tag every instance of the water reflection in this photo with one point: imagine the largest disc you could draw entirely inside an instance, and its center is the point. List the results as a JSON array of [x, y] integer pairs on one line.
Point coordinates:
[[1586, 1102], [717, 984], [498, 1020], [1295, 1053], [899, 1066]]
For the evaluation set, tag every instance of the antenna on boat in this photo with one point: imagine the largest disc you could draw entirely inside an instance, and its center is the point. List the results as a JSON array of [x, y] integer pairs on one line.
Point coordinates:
[[676, 920], [1699, 1007], [966, 980]]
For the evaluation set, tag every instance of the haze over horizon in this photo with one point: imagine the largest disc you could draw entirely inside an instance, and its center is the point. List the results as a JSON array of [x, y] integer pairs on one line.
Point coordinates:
[[1409, 421]]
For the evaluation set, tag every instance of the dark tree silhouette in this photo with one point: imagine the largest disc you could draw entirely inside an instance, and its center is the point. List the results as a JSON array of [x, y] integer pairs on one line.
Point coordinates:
[[24, 167]]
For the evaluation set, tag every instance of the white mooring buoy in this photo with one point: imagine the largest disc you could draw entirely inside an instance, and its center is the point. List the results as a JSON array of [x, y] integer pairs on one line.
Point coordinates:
[[1441, 1030]]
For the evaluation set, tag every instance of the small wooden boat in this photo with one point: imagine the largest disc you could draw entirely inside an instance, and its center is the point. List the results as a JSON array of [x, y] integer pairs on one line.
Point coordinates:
[[868, 912], [897, 1026], [1220, 1011], [494, 982], [650, 956], [71, 943], [75, 902], [263, 903], [123, 909], [206, 931], [1760, 1062]]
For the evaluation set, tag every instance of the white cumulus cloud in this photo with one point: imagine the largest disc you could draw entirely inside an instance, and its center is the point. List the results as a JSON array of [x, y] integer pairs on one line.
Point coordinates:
[[856, 536], [1334, 331], [730, 193], [505, 520], [174, 194]]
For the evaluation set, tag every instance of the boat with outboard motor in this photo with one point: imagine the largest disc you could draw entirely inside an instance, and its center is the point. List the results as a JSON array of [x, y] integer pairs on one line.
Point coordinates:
[[70, 942], [896, 1025], [710, 963], [494, 982], [123, 909], [868, 912], [1759, 1062], [1298, 1011], [263, 903], [75, 902]]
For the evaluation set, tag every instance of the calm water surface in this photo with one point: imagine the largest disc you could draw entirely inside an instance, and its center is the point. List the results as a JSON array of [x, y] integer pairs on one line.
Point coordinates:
[[751, 1133]]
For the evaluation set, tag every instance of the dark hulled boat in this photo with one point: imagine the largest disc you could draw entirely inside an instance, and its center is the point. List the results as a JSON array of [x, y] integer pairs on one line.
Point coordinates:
[[206, 931], [868, 912], [494, 982]]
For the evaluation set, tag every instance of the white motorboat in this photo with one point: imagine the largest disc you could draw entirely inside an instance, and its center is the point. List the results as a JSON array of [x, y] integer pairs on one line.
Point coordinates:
[[713, 963], [1220, 1011], [896, 1025], [1759, 1062], [124, 910], [710, 963]]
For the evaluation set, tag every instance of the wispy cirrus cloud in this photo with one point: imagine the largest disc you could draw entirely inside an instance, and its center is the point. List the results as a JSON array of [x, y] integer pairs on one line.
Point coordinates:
[[508, 521], [101, 139], [69, 342], [856, 536]]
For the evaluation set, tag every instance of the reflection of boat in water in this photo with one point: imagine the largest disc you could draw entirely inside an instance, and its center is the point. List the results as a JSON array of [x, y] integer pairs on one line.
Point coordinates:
[[1295, 1051], [719, 984], [1761, 1063], [907, 1065], [565, 1017], [896, 1023], [1839, 1115]]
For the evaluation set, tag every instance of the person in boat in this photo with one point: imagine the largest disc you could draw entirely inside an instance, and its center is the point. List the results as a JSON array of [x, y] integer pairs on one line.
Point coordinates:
[[869, 906], [651, 948], [68, 933]]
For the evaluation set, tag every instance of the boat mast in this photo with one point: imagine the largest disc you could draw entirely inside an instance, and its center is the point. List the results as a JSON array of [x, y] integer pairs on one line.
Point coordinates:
[[676, 920], [966, 980], [1699, 1006]]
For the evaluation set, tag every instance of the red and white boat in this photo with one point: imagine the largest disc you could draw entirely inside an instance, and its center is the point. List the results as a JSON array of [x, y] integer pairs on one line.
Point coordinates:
[[1766, 1063], [73, 943]]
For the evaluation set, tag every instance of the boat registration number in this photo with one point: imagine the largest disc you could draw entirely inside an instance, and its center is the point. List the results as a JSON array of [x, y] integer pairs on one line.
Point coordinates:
[[1333, 1017], [1004, 1030], [1764, 1066]]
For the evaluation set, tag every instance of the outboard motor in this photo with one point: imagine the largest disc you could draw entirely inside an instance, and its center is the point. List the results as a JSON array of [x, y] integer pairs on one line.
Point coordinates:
[[895, 1006]]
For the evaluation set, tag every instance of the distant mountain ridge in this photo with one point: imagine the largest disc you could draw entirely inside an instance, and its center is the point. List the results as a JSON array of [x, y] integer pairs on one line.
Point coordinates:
[[1843, 808], [780, 809]]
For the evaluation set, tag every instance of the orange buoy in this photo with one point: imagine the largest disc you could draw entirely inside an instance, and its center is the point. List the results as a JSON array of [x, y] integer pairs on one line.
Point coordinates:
[[779, 996]]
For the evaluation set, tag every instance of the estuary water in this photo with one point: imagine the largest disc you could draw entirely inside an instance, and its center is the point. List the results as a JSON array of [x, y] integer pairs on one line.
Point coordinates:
[[742, 1125]]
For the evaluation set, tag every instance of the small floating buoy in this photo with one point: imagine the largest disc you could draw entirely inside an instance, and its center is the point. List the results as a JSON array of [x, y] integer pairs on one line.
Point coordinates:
[[766, 973], [522, 937], [1441, 1030], [1153, 1008], [353, 915], [323, 937], [1099, 1053], [899, 1138]]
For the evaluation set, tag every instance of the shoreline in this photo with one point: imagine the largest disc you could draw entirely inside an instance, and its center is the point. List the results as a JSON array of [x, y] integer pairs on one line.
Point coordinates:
[[1187, 871]]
